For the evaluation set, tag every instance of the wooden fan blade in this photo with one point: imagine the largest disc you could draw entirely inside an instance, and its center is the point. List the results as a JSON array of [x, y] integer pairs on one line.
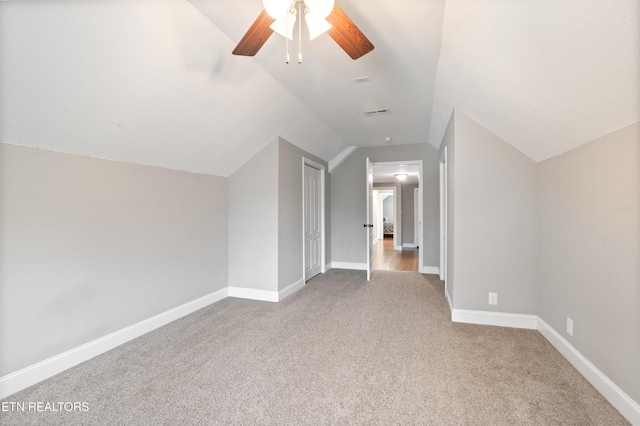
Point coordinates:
[[347, 35], [257, 35]]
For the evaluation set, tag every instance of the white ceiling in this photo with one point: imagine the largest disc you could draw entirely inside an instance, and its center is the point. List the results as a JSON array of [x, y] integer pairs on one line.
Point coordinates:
[[401, 68], [154, 82], [143, 81], [545, 75]]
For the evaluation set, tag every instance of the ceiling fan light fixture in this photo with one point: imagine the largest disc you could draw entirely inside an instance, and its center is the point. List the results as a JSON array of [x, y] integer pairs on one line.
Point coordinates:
[[325, 16], [284, 26], [317, 25], [277, 9]]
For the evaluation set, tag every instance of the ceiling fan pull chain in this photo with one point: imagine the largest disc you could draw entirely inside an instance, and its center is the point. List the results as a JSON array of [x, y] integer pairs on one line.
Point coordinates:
[[286, 57], [292, 10]]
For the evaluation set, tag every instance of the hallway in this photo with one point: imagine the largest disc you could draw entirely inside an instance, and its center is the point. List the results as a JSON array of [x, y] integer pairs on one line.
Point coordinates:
[[385, 257]]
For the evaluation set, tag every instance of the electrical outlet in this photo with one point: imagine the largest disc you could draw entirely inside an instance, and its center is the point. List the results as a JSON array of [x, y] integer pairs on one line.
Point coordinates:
[[570, 326], [493, 298]]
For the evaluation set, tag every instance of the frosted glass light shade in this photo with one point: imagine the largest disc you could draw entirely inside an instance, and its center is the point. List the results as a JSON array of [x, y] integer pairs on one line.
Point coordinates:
[[277, 9], [284, 26], [317, 24]]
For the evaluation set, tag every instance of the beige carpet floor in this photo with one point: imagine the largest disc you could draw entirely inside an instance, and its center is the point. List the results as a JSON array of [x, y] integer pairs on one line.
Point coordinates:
[[340, 351]]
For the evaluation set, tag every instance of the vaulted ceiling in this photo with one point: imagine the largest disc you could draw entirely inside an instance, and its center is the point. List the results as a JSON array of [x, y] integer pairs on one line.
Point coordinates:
[[154, 81]]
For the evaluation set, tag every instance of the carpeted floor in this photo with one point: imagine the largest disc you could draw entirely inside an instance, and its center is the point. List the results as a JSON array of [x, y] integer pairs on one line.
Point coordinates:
[[340, 351]]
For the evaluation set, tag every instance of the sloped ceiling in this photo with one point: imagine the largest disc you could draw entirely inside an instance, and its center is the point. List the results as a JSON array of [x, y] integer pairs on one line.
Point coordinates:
[[154, 82], [401, 69], [143, 81], [544, 75]]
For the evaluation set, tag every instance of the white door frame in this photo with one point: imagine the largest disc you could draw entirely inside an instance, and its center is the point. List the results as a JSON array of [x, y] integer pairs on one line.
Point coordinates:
[[323, 242], [418, 163], [417, 224], [377, 217], [444, 184], [368, 225], [394, 194]]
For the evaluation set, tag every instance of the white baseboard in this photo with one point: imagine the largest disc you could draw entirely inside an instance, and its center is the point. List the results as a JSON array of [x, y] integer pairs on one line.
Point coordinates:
[[500, 319], [327, 267], [265, 295], [629, 408], [433, 270], [282, 294], [349, 265], [42, 370], [408, 245], [33, 374], [446, 296], [253, 294], [398, 248]]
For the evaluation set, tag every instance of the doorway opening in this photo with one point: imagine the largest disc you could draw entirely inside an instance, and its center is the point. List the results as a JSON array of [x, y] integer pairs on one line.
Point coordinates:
[[384, 214], [397, 215]]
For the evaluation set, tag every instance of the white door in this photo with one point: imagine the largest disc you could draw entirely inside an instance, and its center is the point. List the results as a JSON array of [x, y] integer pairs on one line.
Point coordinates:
[[312, 224], [416, 217], [443, 218], [369, 222]]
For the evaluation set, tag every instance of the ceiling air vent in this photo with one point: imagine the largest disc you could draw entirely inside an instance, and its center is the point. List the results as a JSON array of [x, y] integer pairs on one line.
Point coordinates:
[[372, 112]]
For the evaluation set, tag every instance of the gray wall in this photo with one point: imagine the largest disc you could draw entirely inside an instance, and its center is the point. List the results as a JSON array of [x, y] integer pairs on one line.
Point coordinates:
[[408, 214], [589, 209], [348, 201], [253, 222], [387, 207], [496, 222], [558, 239], [290, 213], [90, 246], [265, 218]]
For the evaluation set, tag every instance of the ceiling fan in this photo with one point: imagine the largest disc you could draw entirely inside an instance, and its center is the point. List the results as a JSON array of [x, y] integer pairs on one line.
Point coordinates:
[[320, 16]]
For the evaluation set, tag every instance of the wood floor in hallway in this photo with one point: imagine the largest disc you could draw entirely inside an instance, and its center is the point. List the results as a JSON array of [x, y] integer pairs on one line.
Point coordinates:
[[385, 257]]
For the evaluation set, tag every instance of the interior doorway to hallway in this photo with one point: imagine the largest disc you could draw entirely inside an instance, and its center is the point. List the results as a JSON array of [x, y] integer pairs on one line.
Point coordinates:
[[397, 215]]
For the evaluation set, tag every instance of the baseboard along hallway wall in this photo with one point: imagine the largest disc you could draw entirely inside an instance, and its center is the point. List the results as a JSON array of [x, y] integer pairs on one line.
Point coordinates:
[[31, 375], [199, 366]]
